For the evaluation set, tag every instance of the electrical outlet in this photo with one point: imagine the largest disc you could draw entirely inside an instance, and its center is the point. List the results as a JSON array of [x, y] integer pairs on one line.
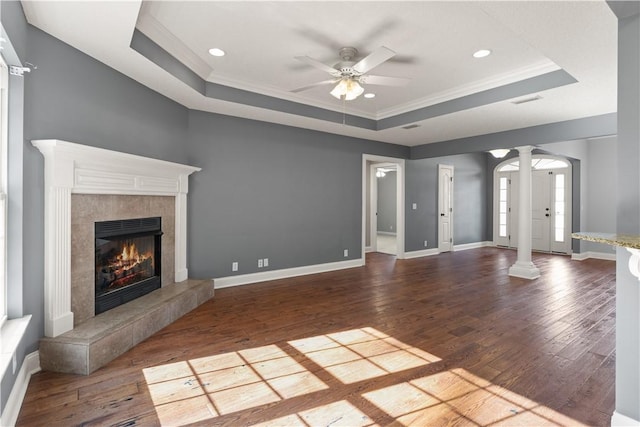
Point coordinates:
[[346, 253], [425, 243], [234, 266], [414, 206], [260, 263], [265, 262]]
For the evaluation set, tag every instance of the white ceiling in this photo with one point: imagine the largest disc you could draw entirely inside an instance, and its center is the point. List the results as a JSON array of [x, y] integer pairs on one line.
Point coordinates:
[[434, 42]]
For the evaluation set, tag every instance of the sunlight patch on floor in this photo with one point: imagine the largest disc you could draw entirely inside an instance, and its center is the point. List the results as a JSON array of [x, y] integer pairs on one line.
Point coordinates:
[[361, 354], [204, 388], [458, 395], [209, 387]]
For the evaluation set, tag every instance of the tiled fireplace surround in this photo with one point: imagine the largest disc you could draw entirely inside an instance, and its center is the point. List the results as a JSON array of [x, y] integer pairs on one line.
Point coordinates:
[[86, 210], [83, 185]]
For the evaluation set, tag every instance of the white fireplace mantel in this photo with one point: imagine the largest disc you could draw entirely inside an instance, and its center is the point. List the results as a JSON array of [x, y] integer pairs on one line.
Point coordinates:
[[71, 168]]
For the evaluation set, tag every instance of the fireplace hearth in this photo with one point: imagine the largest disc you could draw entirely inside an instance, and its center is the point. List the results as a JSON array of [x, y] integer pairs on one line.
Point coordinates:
[[127, 260]]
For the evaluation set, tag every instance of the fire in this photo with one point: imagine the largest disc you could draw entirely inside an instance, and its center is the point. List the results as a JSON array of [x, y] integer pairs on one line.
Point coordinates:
[[130, 253], [125, 262]]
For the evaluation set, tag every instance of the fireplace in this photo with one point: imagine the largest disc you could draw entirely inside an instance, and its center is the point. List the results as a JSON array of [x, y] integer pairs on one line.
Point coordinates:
[[127, 260]]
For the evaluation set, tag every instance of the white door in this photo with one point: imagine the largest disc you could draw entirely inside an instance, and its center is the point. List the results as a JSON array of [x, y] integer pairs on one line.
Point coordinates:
[[445, 208], [540, 210]]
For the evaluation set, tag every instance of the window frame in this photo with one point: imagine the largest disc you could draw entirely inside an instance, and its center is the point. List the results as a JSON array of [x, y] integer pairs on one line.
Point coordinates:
[[4, 110]]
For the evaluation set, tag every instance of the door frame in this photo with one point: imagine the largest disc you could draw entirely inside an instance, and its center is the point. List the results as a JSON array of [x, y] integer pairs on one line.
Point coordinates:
[[400, 198], [555, 247], [373, 203]]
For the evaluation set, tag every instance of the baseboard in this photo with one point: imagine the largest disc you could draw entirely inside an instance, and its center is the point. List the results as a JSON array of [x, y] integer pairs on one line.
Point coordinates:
[[30, 366], [368, 249], [246, 279], [421, 253], [595, 255], [619, 420], [467, 246]]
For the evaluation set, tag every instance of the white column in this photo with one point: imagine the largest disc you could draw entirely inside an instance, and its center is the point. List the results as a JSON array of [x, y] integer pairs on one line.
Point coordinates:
[[524, 267]]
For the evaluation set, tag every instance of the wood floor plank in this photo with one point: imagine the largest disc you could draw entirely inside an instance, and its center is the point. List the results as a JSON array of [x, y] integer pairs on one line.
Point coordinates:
[[441, 340]]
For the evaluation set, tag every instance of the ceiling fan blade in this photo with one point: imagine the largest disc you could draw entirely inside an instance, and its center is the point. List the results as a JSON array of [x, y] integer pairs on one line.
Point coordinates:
[[374, 59], [311, 86], [319, 65], [384, 80]]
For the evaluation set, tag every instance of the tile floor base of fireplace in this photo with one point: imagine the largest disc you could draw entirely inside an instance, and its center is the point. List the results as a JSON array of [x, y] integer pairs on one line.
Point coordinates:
[[99, 340]]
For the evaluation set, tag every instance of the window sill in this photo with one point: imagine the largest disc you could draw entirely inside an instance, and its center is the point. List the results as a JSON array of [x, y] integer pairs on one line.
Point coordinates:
[[11, 335]]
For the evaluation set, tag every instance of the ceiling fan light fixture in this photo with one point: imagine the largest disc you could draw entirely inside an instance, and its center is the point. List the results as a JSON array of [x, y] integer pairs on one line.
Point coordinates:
[[499, 152], [348, 89]]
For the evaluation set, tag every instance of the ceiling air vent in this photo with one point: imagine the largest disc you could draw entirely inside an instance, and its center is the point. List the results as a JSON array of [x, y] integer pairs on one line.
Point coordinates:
[[413, 126], [525, 100]]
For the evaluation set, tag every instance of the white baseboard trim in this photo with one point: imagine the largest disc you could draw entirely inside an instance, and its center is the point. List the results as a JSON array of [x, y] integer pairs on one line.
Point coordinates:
[[436, 251], [595, 255], [30, 366], [421, 253], [368, 249], [467, 246], [619, 420], [246, 279]]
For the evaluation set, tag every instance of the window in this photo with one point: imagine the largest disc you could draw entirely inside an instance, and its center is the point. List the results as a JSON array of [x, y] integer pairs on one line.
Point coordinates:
[[503, 209], [537, 163], [558, 189], [4, 84]]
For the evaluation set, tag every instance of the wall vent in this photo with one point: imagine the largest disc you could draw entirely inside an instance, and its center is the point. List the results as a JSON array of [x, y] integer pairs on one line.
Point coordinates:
[[525, 100], [413, 126]]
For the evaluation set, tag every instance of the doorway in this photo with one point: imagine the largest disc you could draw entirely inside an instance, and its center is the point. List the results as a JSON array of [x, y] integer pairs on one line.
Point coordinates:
[[392, 220], [384, 221], [551, 195]]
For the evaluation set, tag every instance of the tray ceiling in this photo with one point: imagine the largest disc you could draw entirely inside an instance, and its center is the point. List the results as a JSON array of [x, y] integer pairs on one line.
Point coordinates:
[[563, 53]]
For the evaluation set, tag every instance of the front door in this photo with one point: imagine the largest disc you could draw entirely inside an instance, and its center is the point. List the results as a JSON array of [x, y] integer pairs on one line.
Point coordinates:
[[540, 210]]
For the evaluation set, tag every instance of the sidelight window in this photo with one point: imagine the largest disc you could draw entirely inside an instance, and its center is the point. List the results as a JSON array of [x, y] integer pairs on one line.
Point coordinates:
[[559, 211], [503, 207]]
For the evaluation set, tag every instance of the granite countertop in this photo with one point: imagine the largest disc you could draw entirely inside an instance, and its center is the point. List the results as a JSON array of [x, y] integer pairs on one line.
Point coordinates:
[[613, 239]]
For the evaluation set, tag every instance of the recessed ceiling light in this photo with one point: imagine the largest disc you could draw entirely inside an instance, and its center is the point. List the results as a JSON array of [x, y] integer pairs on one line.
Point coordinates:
[[369, 95], [482, 53], [216, 52]]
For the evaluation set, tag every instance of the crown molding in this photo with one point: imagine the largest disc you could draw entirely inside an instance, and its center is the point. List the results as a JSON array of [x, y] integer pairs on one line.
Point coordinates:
[[152, 28], [493, 82]]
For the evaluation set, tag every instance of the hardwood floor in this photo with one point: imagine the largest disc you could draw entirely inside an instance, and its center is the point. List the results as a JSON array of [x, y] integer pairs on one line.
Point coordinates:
[[442, 340]]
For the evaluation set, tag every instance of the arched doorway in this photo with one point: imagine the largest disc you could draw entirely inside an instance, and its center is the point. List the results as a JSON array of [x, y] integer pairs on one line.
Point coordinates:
[[551, 195]]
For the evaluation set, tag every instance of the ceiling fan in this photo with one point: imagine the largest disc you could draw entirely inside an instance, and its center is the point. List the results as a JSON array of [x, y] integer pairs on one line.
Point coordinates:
[[349, 74]]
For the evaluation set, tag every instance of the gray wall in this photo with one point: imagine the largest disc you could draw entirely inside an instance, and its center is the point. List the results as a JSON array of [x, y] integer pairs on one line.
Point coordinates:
[[75, 98], [469, 203], [271, 191], [601, 184], [387, 211]]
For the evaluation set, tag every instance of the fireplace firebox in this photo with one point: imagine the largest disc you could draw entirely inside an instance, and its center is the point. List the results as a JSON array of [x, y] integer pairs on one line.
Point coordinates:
[[127, 260]]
